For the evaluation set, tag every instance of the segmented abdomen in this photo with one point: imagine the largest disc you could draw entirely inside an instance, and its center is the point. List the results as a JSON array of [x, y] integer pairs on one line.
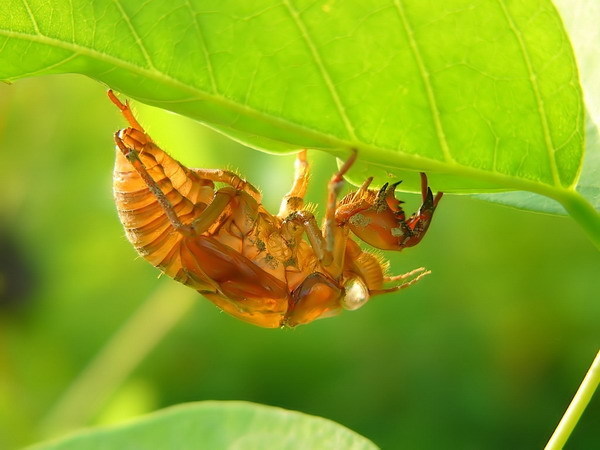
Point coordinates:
[[146, 224]]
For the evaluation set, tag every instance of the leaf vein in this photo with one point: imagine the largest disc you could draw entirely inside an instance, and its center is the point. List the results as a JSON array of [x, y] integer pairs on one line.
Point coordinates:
[[202, 39], [136, 36], [51, 66], [72, 14], [32, 17], [197, 93], [541, 109], [322, 69], [426, 78]]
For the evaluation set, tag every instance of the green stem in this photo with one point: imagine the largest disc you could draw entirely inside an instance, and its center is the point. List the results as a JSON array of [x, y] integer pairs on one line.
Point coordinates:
[[576, 408], [583, 213], [120, 356]]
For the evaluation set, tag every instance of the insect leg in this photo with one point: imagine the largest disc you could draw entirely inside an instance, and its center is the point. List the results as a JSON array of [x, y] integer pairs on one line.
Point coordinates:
[[132, 156], [205, 219], [415, 227], [420, 271], [425, 190], [230, 178], [294, 199], [333, 189], [308, 223], [223, 197], [404, 276], [329, 246], [125, 110]]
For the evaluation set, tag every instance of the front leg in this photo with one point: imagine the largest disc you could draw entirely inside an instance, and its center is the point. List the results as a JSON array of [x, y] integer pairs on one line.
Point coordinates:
[[418, 223], [377, 217]]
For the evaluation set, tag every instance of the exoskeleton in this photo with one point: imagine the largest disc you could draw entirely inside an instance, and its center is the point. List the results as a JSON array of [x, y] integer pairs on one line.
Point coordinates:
[[270, 270]]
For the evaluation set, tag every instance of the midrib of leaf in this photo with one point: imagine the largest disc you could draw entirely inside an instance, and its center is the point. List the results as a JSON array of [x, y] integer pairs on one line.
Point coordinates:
[[536, 92], [322, 69], [426, 78]]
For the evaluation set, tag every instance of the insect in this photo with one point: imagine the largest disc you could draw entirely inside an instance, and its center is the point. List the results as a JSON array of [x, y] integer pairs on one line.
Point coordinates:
[[270, 270]]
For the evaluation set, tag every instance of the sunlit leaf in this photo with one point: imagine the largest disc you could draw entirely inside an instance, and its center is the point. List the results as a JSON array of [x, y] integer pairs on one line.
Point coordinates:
[[582, 19], [486, 89], [588, 185], [484, 96]]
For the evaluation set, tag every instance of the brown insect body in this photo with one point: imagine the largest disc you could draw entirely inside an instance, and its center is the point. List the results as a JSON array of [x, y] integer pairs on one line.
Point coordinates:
[[254, 265]]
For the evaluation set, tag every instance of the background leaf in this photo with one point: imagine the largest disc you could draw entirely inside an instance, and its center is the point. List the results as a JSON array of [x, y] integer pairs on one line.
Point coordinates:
[[219, 425]]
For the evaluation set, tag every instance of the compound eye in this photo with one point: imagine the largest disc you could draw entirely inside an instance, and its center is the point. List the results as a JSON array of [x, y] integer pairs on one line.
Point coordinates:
[[357, 294]]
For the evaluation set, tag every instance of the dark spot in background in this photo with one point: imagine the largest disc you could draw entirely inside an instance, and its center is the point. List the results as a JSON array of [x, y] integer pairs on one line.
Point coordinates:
[[16, 277]]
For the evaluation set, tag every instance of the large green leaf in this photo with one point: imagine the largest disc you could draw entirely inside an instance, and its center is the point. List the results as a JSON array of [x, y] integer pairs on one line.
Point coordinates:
[[487, 89], [482, 95], [218, 425]]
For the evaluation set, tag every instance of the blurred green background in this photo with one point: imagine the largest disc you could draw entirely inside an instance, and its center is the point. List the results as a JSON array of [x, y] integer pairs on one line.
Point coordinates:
[[486, 352]]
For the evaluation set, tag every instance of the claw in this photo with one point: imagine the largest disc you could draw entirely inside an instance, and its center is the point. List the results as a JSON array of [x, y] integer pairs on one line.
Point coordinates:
[[382, 222], [391, 200], [382, 191]]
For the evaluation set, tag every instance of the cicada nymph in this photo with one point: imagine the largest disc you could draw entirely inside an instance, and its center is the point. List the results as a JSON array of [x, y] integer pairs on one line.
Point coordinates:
[[270, 270]]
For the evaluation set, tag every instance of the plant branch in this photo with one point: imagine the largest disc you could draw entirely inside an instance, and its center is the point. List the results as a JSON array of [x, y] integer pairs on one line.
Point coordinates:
[[583, 213], [576, 408]]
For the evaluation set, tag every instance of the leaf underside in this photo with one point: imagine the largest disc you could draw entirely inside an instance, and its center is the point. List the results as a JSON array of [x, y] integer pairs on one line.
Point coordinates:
[[588, 184], [216, 425], [482, 95]]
